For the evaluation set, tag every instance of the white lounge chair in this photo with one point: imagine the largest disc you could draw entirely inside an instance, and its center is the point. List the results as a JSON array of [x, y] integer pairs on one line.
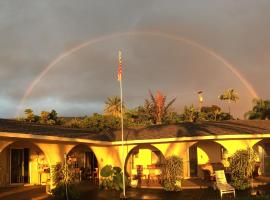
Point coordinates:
[[222, 185]]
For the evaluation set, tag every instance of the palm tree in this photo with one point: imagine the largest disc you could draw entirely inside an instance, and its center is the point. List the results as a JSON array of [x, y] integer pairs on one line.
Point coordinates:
[[159, 107], [113, 106], [230, 96], [260, 110]]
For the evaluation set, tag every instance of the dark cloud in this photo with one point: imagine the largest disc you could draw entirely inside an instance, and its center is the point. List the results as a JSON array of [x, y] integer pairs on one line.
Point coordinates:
[[33, 33]]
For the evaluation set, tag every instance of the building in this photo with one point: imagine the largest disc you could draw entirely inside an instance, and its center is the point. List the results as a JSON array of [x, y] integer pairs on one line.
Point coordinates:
[[28, 151]]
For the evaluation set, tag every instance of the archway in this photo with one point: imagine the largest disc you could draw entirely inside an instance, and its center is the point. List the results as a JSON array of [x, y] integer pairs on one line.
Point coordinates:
[[205, 157], [23, 162], [262, 149], [83, 163], [143, 164]]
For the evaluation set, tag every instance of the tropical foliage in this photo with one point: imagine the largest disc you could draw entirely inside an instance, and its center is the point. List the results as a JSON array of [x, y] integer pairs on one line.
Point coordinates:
[[113, 106], [96, 123], [63, 180], [159, 107], [242, 166], [172, 173], [230, 96], [155, 110], [44, 118], [29, 115], [190, 114], [111, 178], [260, 110], [213, 113]]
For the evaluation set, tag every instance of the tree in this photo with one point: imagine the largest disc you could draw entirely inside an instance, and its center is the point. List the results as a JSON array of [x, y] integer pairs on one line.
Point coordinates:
[[44, 117], [137, 117], [211, 113], [190, 114], [29, 115], [158, 107], [145, 113], [113, 106], [63, 178], [230, 96], [53, 115], [260, 110], [101, 123], [172, 173], [242, 164]]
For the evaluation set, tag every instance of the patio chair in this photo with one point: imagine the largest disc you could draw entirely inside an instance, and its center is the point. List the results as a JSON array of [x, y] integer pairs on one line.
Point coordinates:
[[222, 185]]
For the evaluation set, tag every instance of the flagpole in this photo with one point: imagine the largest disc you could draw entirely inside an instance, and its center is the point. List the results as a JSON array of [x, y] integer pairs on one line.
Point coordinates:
[[122, 127]]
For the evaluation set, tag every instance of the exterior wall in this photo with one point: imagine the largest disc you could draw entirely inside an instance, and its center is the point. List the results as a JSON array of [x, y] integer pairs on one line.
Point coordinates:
[[168, 149], [233, 145], [36, 158], [53, 152], [4, 143], [111, 155], [179, 149], [208, 152], [262, 148], [4, 168]]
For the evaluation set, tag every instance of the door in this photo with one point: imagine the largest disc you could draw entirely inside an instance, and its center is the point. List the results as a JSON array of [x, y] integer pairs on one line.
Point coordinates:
[[193, 161], [19, 166], [267, 159]]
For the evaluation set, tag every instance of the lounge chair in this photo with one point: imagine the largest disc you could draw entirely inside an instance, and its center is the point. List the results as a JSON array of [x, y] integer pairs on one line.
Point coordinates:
[[222, 185]]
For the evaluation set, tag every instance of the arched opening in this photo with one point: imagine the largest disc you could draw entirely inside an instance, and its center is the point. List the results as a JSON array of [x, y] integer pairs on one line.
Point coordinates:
[[205, 157], [262, 149], [143, 165], [23, 162], [83, 163]]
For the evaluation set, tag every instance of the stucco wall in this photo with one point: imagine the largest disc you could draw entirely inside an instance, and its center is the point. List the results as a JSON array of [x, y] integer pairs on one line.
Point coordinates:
[[208, 151], [36, 157]]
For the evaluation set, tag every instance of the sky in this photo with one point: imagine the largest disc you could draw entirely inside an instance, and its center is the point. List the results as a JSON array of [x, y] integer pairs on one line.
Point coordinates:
[[35, 32]]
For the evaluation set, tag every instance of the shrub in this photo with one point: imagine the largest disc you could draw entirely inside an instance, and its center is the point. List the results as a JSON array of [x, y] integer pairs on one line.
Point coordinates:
[[59, 192], [62, 174], [74, 123], [172, 173], [242, 165], [111, 178], [63, 177]]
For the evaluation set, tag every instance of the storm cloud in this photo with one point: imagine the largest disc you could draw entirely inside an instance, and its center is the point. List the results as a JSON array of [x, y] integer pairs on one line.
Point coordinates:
[[33, 33]]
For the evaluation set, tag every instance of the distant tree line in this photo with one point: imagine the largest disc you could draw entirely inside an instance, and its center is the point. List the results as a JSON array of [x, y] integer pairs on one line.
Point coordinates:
[[45, 117], [156, 110]]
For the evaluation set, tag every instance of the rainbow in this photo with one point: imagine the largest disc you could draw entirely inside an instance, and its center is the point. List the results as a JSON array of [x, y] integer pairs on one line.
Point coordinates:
[[208, 51]]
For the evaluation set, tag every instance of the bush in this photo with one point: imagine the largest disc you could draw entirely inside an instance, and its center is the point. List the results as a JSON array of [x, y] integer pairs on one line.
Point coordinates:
[[242, 165], [63, 176], [59, 192], [74, 123], [172, 173], [60, 174], [111, 178]]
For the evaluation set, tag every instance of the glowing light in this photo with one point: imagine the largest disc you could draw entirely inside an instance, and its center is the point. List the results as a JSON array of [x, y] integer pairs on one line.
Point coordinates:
[[208, 51]]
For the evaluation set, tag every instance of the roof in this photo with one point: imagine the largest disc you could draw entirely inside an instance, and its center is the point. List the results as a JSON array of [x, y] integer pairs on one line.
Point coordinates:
[[15, 126], [185, 129]]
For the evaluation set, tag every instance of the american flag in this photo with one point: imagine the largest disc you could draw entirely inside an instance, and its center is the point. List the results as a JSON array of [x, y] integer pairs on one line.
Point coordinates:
[[119, 75]]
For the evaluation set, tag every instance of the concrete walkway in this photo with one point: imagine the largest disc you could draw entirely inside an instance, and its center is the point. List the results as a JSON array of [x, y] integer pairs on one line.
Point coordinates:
[[192, 183], [23, 193]]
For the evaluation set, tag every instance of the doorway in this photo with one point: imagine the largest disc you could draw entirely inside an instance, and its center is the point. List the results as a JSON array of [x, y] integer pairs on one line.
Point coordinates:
[[193, 161], [19, 166]]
